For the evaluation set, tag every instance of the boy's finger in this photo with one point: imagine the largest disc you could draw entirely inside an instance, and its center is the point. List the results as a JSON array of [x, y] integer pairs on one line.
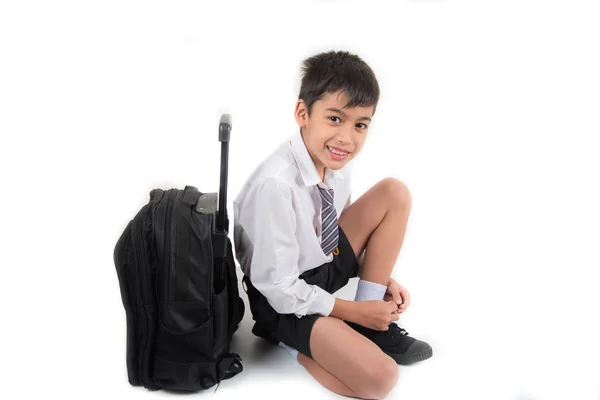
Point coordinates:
[[406, 297]]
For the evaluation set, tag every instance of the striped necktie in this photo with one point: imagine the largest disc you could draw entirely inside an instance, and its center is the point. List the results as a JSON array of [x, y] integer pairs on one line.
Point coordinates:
[[329, 222]]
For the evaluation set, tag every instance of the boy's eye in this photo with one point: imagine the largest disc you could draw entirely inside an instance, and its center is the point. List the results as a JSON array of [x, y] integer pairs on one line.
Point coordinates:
[[361, 125], [332, 118]]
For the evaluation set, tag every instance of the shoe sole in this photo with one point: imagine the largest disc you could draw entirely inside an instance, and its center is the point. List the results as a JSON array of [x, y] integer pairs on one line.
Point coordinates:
[[405, 359]]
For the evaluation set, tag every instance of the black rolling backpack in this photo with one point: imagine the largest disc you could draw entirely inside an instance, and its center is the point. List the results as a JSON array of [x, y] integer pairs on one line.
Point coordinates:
[[178, 284]]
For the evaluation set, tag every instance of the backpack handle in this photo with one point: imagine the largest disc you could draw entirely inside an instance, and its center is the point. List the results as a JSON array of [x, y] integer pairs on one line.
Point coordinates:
[[224, 134]]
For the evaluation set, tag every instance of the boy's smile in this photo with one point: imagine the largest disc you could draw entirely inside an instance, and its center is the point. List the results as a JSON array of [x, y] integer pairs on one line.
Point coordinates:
[[333, 135]]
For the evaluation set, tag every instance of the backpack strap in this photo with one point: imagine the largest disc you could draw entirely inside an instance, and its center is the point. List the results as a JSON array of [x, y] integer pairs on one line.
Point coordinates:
[[230, 365], [191, 196], [183, 211]]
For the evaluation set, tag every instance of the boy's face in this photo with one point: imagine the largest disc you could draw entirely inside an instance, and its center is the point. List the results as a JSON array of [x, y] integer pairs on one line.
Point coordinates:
[[333, 127]]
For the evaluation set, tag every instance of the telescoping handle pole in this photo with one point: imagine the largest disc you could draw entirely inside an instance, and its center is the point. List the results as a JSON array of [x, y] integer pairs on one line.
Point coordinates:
[[224, 133]]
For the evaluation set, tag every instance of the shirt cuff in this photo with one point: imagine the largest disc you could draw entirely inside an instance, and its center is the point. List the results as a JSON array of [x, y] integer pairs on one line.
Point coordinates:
[[323, 304]]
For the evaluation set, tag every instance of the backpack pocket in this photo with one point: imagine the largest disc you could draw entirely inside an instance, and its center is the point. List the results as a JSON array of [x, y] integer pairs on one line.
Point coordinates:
[[221, 323], [184, 361]]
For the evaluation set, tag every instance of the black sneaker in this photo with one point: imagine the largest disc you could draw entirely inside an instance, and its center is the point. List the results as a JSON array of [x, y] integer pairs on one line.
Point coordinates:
[[263, 333], [396, 343]]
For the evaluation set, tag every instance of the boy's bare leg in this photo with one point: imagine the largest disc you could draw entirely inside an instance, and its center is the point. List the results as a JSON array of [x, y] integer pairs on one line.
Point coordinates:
[[347, 363], [376, 223], [324, 377]]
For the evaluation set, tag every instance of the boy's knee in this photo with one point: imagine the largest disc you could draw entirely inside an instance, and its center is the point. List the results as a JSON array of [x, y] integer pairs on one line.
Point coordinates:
[[382, 380], [397, 192]]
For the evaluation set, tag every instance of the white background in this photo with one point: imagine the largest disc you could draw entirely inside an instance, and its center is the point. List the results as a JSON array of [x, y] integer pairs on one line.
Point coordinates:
[[489, 112]]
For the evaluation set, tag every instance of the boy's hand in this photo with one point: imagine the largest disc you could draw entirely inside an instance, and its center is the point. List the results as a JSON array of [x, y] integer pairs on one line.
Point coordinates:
[[376, 314], [398, 294]]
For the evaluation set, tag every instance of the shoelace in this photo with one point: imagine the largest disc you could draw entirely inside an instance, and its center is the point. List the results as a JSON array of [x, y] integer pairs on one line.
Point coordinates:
[[395, 330]]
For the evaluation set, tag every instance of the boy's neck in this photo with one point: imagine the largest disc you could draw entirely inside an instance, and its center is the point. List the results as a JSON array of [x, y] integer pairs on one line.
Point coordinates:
[[322, 172]]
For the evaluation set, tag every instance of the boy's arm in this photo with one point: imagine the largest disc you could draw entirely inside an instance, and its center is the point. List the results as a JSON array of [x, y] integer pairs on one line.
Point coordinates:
[[269, 220], [346, 310]]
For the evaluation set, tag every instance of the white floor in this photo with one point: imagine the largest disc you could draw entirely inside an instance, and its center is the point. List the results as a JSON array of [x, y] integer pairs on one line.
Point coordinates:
[[476, 356], [499, 327]]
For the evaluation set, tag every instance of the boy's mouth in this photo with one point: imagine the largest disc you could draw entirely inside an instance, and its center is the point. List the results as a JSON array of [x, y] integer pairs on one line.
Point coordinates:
[[337, 154]]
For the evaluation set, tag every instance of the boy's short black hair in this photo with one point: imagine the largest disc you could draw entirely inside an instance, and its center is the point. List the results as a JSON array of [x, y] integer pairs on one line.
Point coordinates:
[[333, 71]]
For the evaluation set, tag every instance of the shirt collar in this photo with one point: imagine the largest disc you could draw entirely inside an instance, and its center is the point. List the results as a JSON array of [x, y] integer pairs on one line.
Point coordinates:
[[309, 172]]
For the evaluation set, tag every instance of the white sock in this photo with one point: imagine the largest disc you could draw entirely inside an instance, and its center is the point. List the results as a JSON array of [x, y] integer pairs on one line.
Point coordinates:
[[293, 352], [369, 291]]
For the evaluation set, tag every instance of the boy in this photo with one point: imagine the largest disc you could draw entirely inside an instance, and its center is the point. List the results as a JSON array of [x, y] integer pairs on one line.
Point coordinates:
[[295, 252]]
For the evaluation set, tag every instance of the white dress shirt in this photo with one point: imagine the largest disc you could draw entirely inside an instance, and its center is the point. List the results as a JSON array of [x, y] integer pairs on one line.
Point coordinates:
[[277, 227]]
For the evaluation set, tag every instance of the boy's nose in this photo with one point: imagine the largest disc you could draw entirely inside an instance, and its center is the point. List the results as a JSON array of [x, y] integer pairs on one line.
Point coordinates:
[[344, 136]]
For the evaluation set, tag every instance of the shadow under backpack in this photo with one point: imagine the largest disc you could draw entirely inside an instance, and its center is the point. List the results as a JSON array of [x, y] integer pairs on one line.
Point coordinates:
[[178, 285]]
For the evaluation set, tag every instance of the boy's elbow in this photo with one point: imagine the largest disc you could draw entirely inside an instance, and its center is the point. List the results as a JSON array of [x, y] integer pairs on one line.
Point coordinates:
[[285, 305], [286, 297]]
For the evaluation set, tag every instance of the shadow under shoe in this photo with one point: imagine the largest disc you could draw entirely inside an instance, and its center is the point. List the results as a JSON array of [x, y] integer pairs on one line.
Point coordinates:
[[396, 343]]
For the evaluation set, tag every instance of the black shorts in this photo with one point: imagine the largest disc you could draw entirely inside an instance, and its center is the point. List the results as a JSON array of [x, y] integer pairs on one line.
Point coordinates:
[[288, 328]]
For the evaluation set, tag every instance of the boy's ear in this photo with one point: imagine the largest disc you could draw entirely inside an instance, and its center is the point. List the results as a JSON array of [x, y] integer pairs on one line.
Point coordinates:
[[301, 113]]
